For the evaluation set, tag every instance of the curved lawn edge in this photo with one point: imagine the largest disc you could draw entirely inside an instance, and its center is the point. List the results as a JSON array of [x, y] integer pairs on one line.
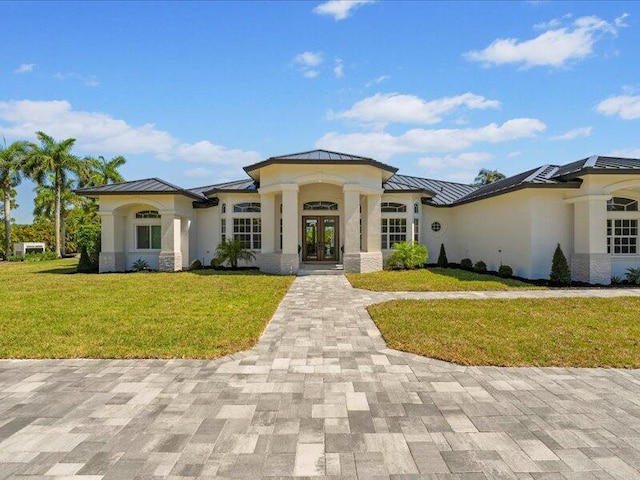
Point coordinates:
[[551, 332], [204, 314], [434, 280]]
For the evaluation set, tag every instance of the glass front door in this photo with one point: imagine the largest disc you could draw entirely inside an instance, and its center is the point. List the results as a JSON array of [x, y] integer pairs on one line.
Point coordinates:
[[320, 239]]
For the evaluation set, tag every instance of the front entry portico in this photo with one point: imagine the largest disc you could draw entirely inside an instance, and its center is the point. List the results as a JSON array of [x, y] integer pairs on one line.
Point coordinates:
[[320, 239]]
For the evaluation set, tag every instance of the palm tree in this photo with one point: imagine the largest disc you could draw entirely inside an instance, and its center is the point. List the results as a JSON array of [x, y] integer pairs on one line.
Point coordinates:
[[231, 251], [53, 158], [486, 176], [45, 204], [11, 168], [102, 171]]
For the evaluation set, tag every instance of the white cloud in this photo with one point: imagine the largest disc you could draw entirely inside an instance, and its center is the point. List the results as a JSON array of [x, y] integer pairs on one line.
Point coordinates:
[[555, 47], [574, 133], [625, 153], [199, 172], [514, 154], [25, 68], [90, 81], [307, 63], [339, 9], [378, 80], [395, 107], [384, 145], [625, 106], [338, 70], [101, 134], [467, 160]]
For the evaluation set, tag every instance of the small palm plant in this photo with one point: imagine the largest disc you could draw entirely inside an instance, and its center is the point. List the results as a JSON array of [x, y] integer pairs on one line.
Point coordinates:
[[231, 251], [140, 265]]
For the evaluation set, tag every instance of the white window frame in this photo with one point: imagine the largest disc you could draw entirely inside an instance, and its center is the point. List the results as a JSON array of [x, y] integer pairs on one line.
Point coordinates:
[[624, 236], [251, 231], [151, 226], [388, 238]]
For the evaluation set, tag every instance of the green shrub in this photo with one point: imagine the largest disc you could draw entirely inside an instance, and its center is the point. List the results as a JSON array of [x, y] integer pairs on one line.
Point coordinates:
[[633, 276], [480, 267], [85, 265], [466, 264], [505, 271], [231, 251], [442, 258], [615, 280], [195, 265], [15, 258], [560, 273], [88, 237], [40, 256], [140, 265], [408, 255]]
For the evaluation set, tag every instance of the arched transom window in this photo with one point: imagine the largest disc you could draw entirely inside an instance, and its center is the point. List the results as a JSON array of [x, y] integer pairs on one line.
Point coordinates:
[[320, 205], [148, 214], [621, 204], [246, 207], [391, 207]]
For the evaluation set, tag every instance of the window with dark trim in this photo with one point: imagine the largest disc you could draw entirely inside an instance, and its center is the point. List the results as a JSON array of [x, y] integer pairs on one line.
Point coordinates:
[[246, 207], [148, 214], [621, 204], [391, 207]]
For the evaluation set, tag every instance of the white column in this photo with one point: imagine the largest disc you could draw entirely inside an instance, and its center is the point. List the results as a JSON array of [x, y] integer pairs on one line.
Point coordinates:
[[590, 261], [373, 223], [170, 247], [290, 220], [268, 220], [112, 257], [351, 219]]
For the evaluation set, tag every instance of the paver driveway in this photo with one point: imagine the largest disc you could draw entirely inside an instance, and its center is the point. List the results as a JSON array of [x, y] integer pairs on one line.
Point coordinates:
[[321, 395]]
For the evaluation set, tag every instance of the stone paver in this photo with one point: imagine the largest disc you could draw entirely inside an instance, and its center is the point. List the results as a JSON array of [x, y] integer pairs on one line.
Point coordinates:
[[321, 396]]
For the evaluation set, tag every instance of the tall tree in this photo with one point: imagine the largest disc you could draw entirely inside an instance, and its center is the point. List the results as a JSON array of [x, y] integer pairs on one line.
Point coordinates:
[[53, 158], [12, 159], [486, 176], [45, 204], [102, 171]]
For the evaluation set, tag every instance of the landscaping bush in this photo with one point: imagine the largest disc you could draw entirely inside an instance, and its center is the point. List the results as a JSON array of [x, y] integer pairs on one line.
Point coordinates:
[[466, 264], [615, 280], [408, 255], [88, 238], [560, 273], [633, 276], [84, 265], [505, 271], [15, 258], [195, 265], [40, 256], [140, 265], [231, 251], [442, 258], [480, 267]]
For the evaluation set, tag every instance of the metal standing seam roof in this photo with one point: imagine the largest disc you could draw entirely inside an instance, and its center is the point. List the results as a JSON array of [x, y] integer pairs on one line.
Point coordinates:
[[245, 186], [444, 193], [321, 156], [599, 165], [147, 185]]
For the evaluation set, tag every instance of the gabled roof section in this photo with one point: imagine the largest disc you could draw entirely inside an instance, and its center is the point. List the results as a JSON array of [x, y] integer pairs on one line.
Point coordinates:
[[443, 193], [323, 157], [598, 165], [241, 186], [153, 186]]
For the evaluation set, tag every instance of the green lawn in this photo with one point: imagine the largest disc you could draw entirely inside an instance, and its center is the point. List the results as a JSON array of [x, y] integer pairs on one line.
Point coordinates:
[[433, 280], [568, 332], [47, 313]]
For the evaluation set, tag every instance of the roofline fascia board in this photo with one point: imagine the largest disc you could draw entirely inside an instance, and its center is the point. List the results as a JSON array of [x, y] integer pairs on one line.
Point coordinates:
[[94, 193], [281, 161]]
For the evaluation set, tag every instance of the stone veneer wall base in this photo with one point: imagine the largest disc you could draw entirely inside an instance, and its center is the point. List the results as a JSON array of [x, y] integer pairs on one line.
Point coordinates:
[[594, 268], [170, 261], [111, 262], [284, 264], [362, 262]]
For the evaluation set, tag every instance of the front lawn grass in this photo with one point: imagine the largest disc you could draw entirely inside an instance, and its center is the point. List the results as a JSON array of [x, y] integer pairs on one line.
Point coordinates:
[[47, 313], [433, 280], [555, 332]]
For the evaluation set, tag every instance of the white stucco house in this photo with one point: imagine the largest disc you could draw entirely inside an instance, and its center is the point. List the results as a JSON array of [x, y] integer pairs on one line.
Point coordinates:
[[322, 206]]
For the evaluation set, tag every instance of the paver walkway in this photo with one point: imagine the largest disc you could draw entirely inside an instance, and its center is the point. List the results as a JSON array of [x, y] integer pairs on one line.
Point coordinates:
[[321, 395]]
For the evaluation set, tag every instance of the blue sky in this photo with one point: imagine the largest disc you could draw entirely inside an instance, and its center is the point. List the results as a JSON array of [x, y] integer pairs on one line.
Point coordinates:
[[192, 91]]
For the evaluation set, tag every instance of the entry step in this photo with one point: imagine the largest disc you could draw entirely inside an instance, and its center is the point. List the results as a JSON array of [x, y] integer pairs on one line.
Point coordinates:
[[320, 269]]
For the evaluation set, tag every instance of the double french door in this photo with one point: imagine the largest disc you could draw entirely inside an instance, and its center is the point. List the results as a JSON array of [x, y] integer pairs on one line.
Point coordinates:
[[320, 239]]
